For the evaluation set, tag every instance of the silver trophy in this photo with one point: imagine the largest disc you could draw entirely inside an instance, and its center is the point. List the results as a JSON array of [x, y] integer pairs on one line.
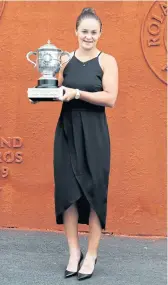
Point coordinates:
[[48, 63]]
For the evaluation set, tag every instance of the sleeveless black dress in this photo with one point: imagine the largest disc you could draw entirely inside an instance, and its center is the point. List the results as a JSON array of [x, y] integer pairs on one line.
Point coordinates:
[[82, 147]]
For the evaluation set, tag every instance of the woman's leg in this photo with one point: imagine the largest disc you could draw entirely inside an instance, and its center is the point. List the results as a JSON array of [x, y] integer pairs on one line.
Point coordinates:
[[71, 232], [93, 244]]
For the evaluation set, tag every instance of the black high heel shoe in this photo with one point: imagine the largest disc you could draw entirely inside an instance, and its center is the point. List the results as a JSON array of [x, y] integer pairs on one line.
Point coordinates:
[[83, 276], [71, 273]]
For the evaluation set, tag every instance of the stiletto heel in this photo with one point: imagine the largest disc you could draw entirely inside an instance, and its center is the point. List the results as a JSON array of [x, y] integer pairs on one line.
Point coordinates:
[[83, 276], [71, 273]]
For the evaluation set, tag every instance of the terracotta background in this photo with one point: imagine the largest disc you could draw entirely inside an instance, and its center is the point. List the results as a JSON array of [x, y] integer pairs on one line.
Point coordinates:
[[137, 124]]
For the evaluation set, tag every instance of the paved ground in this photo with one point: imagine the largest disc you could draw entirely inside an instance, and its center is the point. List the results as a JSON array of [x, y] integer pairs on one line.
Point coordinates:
[[30, 257]]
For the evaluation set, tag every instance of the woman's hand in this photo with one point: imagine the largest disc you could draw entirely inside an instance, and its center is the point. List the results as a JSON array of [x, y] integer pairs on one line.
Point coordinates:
[[69, 94]]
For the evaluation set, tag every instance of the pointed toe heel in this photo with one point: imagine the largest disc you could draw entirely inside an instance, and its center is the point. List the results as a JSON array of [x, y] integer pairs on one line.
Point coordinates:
[[83, 276], [71, 273]]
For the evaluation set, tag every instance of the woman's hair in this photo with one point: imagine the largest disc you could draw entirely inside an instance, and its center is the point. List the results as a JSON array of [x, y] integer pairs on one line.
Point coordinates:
[[88, 13]]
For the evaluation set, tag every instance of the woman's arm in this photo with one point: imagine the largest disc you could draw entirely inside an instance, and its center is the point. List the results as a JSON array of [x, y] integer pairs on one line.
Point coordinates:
[[108, 96], [60, 74], [64, 61]]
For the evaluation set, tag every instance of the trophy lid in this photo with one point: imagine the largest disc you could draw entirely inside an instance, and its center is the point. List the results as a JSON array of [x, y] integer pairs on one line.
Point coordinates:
[[49, 46]]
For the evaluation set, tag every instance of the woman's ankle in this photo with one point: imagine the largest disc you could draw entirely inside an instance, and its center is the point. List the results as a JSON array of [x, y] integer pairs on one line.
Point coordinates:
[[91, 254], [75, 251]]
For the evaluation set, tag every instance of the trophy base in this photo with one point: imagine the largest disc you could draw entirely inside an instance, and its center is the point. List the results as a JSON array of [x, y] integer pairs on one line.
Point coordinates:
[[38, 94], [47, 83]]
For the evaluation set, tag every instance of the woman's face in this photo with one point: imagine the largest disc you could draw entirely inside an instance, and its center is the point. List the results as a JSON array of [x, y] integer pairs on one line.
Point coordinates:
[[88, 33]]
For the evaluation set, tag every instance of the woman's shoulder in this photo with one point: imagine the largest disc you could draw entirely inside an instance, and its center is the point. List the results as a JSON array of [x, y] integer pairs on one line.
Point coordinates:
[[107, 57], [65, 59], [107, 60]]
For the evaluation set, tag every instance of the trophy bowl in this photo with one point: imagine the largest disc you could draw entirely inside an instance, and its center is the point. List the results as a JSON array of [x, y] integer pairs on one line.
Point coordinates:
[[48, 63]]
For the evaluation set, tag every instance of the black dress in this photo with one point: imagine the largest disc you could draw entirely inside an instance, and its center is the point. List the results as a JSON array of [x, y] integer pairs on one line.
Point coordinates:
[[82, 147]]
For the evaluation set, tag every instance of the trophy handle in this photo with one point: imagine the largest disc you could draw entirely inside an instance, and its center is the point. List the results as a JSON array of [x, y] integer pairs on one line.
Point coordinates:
[[30, 53], [65, 53]]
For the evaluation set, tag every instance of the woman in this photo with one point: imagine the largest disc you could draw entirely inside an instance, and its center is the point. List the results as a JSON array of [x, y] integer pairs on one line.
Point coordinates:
[[82, 145]]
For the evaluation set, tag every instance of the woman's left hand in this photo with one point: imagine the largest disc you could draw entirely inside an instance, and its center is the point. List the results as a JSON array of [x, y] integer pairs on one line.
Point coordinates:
[[69, 94]]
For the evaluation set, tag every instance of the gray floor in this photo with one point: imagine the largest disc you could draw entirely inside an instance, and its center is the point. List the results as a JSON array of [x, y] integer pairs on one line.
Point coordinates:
[[30, 257]]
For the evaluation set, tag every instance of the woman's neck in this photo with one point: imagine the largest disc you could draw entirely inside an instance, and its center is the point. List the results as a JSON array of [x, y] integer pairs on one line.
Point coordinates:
[[86, 53]]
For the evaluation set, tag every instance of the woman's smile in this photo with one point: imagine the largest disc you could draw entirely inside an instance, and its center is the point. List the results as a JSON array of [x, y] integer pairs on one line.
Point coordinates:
[[88, 41]]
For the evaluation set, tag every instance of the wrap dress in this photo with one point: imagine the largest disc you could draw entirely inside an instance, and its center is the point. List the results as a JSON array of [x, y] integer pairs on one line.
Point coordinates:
[[82, 147]]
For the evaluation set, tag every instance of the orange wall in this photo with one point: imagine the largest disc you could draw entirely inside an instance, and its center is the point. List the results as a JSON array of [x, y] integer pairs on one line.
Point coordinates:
[[137, 124]]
